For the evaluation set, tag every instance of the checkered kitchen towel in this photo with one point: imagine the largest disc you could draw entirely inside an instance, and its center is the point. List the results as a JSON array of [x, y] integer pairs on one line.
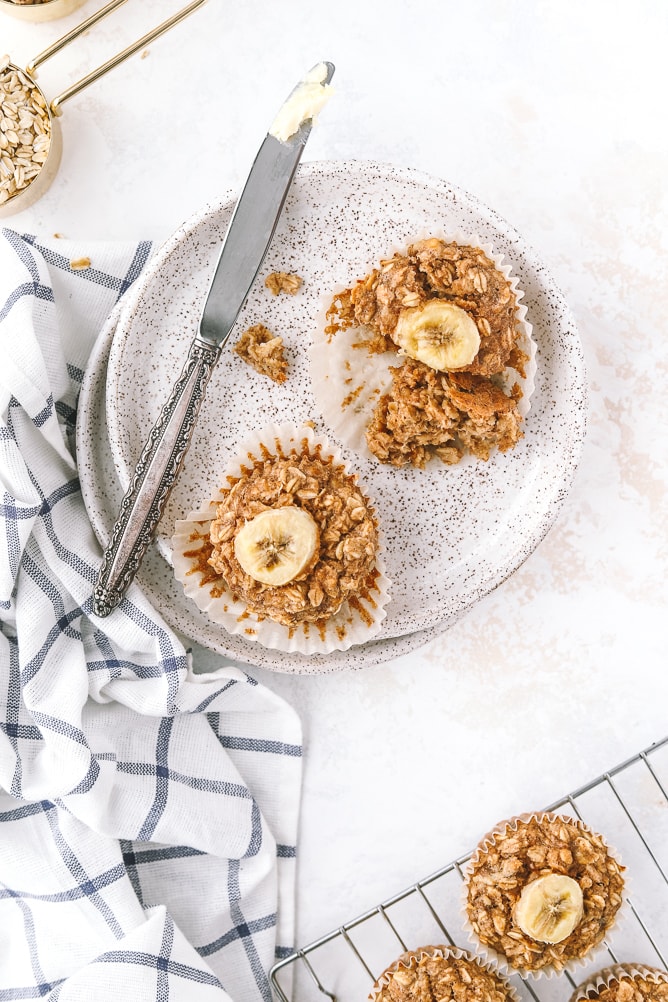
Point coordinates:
[[148, 814]]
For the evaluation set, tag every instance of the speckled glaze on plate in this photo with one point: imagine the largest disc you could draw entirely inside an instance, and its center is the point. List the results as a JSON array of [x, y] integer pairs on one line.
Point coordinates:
[[102, 495], [453, 533]]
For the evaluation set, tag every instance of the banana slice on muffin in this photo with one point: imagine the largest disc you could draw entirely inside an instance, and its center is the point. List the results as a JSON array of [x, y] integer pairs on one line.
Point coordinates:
[[277, 545], [438, 333]]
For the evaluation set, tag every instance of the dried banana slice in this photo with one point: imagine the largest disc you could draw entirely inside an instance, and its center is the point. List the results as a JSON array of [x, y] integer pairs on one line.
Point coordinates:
[[277, 545], [440, 334], [549, 908]]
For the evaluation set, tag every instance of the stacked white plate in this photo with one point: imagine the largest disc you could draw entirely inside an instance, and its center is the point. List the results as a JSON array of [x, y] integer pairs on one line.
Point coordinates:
[[453, 533]]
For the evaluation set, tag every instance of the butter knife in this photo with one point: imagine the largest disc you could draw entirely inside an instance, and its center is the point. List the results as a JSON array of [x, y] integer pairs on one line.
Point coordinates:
[[243, 250]]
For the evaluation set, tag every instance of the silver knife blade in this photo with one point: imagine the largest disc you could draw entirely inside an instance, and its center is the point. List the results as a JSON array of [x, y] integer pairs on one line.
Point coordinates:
[[251, 229], [244, 247]]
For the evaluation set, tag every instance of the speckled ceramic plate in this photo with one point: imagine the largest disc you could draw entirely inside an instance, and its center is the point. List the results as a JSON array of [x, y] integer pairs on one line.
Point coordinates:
[[453, 533]]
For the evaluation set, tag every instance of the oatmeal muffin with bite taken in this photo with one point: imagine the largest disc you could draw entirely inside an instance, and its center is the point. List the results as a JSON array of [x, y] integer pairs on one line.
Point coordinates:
[[452, 314], [427, 414]]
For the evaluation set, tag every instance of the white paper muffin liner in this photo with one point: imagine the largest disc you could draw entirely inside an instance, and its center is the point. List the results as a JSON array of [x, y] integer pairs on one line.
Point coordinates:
[[498, 960], [598, 982], [345, 629], [348, 382], [413, 957]]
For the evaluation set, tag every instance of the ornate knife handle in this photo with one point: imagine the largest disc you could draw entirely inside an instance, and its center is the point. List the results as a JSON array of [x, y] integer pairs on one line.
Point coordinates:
[[157, 469]]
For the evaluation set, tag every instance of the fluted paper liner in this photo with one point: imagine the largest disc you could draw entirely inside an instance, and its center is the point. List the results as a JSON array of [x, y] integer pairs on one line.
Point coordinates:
[[348, 382], [497, 959], [412, 958], [348, 627], [603, 979]]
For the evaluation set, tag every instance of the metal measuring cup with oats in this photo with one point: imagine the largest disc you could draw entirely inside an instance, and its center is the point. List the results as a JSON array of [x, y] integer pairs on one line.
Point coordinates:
[[30, 135], [25, 130]]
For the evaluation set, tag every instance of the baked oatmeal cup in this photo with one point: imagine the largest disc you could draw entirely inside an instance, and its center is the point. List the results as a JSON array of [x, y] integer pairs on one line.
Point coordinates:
[[624, 983], [429, 356], [289, 554], [541, 893], [441, 974]]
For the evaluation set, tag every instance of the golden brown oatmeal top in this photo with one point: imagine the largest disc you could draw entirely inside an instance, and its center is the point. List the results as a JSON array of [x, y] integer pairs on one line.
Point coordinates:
[[344, 566], [627, 983], [546, 844], [426, 976], [634, 990]]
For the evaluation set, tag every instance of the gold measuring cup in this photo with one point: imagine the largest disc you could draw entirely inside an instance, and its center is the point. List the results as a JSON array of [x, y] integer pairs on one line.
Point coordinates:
[[37, 170], [47, 10]]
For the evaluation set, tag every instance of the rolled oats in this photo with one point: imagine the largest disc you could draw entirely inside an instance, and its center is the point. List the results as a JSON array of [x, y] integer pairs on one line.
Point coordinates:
[[25, 131], [523, 851]]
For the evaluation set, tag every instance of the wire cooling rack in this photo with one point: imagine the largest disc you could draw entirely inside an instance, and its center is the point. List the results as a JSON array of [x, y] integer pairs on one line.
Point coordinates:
[[628, 805]]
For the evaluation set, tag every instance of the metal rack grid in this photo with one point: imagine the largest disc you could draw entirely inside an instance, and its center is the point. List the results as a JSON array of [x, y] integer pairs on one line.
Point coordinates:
[[628, 804]]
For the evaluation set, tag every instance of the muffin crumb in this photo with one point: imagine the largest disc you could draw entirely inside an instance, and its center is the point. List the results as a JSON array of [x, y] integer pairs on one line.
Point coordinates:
[[264, 352], [283, 281], [80, 264]]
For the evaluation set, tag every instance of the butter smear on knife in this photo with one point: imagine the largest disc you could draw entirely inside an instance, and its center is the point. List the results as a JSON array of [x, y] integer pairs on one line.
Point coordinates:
[[306, 101]]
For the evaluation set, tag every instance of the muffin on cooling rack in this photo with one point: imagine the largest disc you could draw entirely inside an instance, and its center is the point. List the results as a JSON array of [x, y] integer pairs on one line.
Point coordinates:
[[541, 893], [441, 974], [624, 983]]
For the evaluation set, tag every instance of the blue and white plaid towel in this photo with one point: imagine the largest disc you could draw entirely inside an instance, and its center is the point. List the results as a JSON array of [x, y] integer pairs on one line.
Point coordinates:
[[148, 815]]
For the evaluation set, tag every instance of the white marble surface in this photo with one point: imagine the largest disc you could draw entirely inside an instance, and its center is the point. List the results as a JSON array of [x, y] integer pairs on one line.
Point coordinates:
[[554, 114]]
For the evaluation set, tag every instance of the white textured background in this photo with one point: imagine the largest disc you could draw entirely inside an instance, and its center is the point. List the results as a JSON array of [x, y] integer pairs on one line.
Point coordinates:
[[554, 114]]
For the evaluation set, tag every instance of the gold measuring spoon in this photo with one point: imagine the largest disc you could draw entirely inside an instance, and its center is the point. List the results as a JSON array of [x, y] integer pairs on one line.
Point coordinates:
[[30, 134]]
